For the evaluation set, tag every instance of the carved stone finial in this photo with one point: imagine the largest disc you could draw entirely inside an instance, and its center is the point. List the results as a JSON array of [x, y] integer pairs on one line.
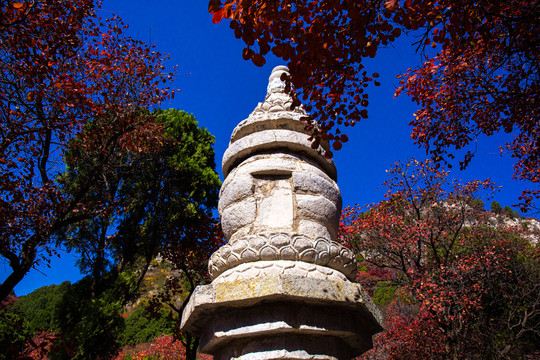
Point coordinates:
[[275, 84]]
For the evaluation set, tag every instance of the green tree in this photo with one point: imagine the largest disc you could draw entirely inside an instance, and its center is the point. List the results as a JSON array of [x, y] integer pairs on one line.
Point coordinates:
[[89, 325], [478, 204], [151, 195], [496, 207], [509, 212]]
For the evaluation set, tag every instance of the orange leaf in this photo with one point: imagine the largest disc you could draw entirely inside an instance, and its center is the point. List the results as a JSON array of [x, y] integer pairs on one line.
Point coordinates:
[[17, 5], [218, 16], [392, 5]]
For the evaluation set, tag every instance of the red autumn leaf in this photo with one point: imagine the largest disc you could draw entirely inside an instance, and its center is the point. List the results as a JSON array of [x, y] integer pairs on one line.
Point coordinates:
[[439, 275], [258, 59], [247, 53], [213, 5], [364, 113]]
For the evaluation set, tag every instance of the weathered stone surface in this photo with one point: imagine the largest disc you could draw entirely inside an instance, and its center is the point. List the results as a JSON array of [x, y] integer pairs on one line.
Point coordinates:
[[279, 267], [258, 290], [275, 84], [311, 184], [281, 186], [268, 121], [314, 229], [264, 164], [319, 209], [275, 203]]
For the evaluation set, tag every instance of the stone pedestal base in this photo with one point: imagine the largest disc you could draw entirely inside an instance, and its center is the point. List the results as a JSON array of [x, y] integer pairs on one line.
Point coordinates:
[[282, 317]]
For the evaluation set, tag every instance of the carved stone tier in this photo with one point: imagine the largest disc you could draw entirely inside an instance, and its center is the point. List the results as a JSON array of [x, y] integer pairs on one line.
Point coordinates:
[[281, 287], [283, 246], [282, 316]]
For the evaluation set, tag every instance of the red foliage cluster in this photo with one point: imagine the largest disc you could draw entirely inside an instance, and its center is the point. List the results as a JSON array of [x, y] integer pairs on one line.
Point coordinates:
[[324, 43], [164, 347], [42, 344], [482, 78]]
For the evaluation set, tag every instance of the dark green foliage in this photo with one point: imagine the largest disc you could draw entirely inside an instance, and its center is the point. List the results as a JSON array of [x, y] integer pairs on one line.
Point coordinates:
[[508, 211], [478, 204], [384, 293], [14, 332], [151, 199], [24, 318], [172, 187], [144, 201], [140, 327], [39, 306], [496, 207], [89, 325]]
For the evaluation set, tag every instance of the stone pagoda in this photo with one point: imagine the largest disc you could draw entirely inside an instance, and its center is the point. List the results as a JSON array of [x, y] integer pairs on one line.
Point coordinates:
[[282, 287]]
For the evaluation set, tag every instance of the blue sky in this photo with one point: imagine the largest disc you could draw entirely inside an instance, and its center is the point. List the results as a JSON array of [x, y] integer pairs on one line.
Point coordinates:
[[221, 89]]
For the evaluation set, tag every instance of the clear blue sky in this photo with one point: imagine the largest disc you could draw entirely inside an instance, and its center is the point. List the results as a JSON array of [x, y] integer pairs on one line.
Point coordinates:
[[221, 89]]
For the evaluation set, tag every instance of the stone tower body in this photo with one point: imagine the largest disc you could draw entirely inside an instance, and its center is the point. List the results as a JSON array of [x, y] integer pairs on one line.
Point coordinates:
[[281, 287]]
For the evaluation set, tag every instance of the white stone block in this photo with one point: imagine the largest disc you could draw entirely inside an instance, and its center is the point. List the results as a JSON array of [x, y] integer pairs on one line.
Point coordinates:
[[318, 209], [238, 215], [275, 206], [308, 183], [315, 229], [275, 139], [234, 189]]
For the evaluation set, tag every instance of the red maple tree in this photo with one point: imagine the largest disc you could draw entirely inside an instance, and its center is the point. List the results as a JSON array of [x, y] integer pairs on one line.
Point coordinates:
[[480, 75], [460, 274], [66, 73]]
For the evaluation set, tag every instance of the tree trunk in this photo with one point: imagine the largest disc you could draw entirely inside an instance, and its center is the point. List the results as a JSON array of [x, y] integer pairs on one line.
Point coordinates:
[[20, 265], [12, 280], [192, 343]]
